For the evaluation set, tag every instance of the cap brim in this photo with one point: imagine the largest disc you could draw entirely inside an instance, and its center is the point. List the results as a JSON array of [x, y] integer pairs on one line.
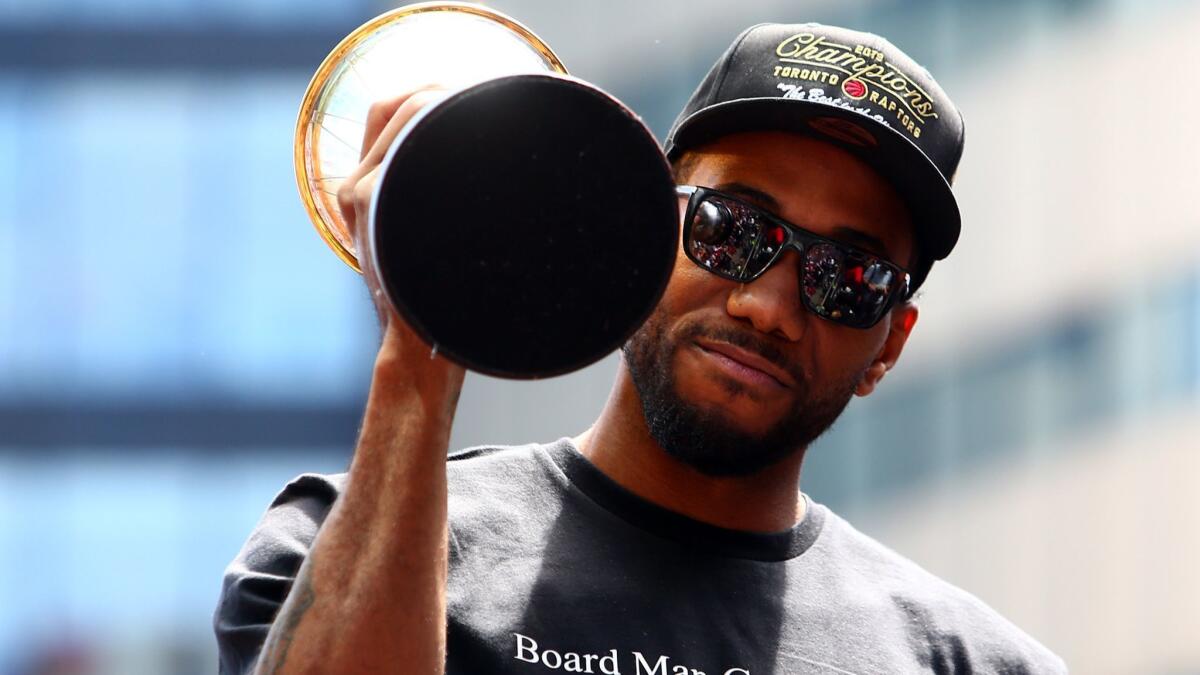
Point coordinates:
[[935, 214]]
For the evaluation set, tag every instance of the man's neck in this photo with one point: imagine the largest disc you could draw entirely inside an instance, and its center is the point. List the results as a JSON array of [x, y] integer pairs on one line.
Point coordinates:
[[620, 445]]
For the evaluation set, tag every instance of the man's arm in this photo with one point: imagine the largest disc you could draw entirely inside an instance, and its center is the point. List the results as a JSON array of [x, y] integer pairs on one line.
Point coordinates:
[[370, 595]]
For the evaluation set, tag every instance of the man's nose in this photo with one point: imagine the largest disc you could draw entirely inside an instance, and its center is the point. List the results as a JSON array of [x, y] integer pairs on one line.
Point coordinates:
[[772, 302]]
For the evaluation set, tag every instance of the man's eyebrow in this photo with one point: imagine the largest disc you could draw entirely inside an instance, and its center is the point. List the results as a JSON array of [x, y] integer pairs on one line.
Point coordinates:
[[856, 237], [846, 233], [752, 194]]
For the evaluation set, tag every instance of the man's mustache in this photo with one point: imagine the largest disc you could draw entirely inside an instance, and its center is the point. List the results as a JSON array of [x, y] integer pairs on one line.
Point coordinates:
[[749, 340]]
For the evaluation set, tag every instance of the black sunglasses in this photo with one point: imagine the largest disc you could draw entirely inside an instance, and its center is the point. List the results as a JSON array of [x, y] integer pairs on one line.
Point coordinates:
[[740, 242]]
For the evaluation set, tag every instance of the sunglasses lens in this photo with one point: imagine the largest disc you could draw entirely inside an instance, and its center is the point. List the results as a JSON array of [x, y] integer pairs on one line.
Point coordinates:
[[846, 286], [711, 224], [731, 240]]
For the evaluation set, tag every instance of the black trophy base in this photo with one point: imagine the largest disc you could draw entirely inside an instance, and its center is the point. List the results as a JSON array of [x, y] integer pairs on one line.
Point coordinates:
[[527, 226]]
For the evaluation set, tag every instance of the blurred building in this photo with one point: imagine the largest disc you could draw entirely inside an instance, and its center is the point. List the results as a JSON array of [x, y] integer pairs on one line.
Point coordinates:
[[176, 342]]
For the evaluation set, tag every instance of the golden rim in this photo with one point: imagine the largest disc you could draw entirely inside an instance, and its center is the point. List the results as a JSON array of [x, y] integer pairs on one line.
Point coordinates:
[[309, 102]]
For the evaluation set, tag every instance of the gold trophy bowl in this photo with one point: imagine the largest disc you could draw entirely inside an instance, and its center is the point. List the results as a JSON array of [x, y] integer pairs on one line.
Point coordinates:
[[453, 44], [525, 223]]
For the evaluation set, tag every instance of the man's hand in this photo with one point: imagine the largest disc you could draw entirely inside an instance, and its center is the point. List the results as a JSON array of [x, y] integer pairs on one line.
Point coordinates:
[[370, 596], [385, 120]]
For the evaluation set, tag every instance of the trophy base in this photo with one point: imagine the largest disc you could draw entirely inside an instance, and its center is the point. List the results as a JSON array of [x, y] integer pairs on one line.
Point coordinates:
[[526, 226]]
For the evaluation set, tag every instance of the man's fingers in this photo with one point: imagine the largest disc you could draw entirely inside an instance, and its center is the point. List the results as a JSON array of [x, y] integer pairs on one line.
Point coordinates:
[[362, 203], [386, 118], [345, 202], [377, 118]]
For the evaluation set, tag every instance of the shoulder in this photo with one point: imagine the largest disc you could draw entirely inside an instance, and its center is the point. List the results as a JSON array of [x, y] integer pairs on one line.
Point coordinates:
[[493, 457], [297, 511], [503, 468], [484, 477], [513, 485], [951, 625], [311, 493]]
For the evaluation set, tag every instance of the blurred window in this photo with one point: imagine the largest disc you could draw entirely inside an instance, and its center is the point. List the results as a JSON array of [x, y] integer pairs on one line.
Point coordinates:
[[101, 13], [157, 245]]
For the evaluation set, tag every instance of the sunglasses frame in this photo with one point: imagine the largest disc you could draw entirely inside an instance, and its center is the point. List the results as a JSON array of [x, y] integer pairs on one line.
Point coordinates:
[[799, 239]]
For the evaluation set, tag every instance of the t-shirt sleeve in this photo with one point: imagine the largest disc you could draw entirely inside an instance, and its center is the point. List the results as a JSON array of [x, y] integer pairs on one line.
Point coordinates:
[[258, 580]]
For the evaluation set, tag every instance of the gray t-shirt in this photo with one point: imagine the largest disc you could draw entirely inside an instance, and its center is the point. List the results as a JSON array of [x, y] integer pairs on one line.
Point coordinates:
[[554, 568]]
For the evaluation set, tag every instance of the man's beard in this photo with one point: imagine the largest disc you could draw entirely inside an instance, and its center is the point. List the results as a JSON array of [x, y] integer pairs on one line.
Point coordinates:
[[704, 439]]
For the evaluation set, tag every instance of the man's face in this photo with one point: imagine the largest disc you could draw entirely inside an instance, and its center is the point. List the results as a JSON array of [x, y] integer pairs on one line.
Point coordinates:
[[734, 377]]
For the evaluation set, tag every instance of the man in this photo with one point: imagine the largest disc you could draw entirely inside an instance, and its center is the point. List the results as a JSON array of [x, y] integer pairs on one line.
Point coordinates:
[[671, 537]]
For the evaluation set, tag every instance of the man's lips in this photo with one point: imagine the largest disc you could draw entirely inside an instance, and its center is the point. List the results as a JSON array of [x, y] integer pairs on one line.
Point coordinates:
[[750, 360]]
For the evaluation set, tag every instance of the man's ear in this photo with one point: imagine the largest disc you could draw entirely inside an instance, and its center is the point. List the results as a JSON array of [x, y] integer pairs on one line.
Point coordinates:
[[903, 318]]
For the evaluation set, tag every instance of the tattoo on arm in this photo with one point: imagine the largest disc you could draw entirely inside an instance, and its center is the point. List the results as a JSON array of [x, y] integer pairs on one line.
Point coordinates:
[[277, 647]]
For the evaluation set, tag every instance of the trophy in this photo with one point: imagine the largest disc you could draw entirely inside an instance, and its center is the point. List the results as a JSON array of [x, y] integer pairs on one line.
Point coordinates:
[[525, 224]]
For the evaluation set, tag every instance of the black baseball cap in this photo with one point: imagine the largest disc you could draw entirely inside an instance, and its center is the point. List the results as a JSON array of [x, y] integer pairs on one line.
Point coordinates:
[[853, 89]]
